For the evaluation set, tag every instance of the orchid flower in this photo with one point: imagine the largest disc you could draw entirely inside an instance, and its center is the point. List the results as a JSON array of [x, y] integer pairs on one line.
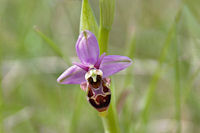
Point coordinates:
[[93, 71]]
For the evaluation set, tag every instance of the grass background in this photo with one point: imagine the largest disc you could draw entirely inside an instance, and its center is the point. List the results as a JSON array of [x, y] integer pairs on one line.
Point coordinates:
[[159, 93]]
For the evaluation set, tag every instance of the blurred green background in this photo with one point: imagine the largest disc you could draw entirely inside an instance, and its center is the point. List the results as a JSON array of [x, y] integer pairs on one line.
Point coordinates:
[[159, 93]]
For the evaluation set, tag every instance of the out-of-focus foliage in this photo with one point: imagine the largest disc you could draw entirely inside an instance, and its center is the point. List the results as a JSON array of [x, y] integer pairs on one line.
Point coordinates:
[[34, 102]]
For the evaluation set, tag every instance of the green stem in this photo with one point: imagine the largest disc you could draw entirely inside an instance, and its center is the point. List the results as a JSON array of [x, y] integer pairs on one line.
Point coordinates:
[[143, 119], [107, 7], [110, 121], [103, 39]]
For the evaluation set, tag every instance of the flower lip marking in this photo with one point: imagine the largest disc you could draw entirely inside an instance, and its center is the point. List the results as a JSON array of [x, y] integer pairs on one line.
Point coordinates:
[[93, 70], [98, 93]]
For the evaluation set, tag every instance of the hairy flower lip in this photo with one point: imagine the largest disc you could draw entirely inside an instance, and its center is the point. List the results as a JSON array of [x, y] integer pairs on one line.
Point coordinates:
[[87, 49]]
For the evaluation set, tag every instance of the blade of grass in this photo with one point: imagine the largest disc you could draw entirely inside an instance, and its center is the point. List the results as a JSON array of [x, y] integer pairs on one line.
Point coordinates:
[[1, 93], [193, 25], [78, 104], [194, 107], [77, 112], [177, 87], [130, 54], [143, 119], [189, 84], [52, 45], [128, 83]]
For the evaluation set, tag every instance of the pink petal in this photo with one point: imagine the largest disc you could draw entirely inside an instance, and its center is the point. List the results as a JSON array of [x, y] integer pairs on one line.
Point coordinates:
[[87, 48], [73, 75], [112, 64], [82, 66], [107, 81], [97, 65], [84, 86]]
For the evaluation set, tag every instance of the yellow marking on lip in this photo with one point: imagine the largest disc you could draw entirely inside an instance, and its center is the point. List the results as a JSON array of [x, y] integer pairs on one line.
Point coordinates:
[[97, 96]]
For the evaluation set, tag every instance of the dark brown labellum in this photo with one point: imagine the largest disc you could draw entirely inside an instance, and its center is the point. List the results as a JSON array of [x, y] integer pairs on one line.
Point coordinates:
[[98, 94]]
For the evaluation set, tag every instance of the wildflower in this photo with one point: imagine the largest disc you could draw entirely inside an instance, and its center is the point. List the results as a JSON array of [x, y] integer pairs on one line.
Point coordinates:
[[93, 71]]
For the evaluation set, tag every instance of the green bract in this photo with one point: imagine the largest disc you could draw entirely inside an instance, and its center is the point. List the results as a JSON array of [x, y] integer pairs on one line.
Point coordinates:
[[88, 20], [107, 8]]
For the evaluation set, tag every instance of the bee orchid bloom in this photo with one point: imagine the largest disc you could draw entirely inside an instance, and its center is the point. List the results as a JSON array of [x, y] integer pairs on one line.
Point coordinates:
[[93, 71]]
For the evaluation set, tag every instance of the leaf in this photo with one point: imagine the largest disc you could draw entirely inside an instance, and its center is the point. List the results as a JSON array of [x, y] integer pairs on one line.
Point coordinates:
[[107, 13], [192, 23], [107, 10], [52, 45], [88, 20]]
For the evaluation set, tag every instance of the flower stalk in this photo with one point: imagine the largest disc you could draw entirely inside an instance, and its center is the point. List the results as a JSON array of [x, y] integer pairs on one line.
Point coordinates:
[[109, 119], [103, 39], [107, 8]]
